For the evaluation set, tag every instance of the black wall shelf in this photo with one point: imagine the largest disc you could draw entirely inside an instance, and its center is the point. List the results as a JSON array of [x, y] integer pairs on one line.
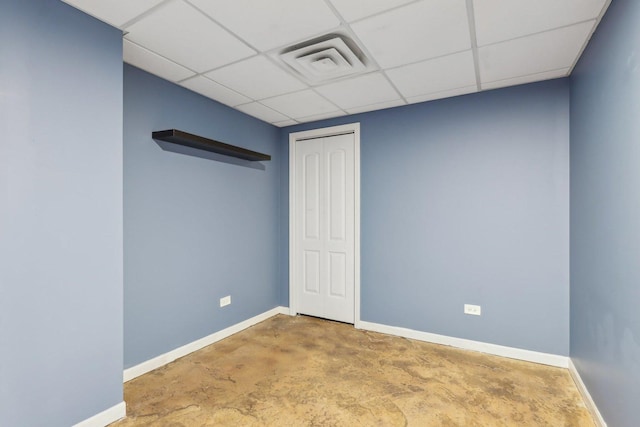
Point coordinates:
[[194, 141]]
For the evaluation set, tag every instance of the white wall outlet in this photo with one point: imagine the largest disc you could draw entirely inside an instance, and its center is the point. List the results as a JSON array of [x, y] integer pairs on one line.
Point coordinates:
[[472, 309], [225, 301]]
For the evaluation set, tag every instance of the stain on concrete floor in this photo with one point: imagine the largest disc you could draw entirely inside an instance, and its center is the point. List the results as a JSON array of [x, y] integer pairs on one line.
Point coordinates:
[[302, 371]]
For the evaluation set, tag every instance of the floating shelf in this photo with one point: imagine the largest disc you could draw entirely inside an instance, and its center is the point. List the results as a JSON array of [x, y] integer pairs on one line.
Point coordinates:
[[194, 141]]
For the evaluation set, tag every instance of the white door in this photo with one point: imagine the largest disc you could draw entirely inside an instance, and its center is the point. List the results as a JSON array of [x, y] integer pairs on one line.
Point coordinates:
[[325, 227]]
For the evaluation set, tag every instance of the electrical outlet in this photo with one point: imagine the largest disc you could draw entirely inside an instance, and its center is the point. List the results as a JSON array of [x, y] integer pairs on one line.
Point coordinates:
[[472, 309], [225, 301]]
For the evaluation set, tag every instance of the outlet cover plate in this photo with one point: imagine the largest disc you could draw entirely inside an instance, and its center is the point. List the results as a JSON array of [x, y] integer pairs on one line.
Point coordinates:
[[472, 309], [224, 301]]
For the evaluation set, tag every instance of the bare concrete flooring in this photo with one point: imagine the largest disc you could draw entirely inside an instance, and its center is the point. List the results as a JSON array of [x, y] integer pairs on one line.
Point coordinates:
[[301, 371]]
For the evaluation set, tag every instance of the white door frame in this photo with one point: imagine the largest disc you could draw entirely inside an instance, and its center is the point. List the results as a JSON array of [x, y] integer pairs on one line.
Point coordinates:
[[353, 128]]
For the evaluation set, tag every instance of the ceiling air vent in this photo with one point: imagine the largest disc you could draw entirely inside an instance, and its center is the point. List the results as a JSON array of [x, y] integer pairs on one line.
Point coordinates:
[[326, 58]]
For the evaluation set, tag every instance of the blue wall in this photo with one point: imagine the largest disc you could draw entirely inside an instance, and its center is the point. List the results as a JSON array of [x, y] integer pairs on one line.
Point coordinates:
[[605, 215], [60, 214], [466, 200], [196, 228]]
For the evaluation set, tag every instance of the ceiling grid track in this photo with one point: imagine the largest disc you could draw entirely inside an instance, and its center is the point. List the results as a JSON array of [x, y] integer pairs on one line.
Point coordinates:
[[224, 27], [143, 15], [355, 21], [474, 43]]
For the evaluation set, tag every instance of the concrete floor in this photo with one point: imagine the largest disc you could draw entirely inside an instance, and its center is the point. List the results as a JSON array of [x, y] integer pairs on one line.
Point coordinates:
[[302, 371]]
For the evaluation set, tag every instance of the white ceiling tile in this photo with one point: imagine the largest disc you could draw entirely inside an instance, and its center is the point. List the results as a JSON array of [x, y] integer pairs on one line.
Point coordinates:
[[155, 64], [377, 106], [285, 123], [300, 104], [352, 10], [268, 24], [548, 75], [443, 94], [323, 116], [258, 110], [359, 91], [435, 75], [213, 90], [547, 51], [114, 12], [179, 32], [499, 20], [415, 32], [257, 78]]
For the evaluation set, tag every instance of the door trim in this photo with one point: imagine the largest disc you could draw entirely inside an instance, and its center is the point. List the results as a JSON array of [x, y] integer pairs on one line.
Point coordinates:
[[353, 128]]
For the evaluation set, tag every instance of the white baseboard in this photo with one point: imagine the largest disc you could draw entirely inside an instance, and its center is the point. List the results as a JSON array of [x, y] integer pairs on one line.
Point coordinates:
[[163, 359], [105, 417], [494, 349], [586, 396]]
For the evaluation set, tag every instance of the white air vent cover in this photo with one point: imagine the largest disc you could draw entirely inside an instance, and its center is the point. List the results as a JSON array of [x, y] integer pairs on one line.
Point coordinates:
[[329, 58]]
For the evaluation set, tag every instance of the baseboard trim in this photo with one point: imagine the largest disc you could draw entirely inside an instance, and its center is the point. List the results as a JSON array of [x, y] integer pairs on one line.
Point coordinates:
[[105, 417], [493, 349], [586, 396], [163, 359]]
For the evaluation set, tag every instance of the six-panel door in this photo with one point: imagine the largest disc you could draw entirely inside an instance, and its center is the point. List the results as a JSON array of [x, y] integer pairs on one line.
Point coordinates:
[[325, 230]]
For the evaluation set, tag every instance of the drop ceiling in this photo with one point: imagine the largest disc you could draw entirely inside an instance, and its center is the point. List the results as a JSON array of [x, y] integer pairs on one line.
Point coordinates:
[[415, 51]]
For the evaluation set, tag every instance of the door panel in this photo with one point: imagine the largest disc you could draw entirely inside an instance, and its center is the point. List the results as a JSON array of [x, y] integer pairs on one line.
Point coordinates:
[[337, 214], [311, 196], [337, 274], [311, 272]]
